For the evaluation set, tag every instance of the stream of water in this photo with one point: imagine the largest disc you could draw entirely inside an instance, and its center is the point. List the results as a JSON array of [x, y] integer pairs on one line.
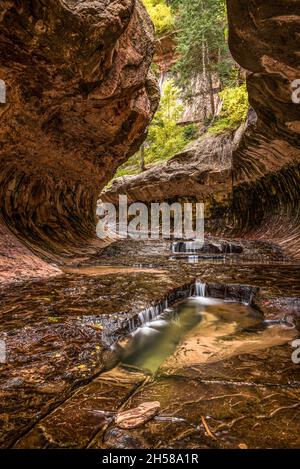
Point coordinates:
[[220, 350], [198, 328]]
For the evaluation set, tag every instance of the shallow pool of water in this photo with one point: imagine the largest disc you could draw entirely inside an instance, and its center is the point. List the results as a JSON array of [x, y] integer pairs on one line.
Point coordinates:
[[197, 330]]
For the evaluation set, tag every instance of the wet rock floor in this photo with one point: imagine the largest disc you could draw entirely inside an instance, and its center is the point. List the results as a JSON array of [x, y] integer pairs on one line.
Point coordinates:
[[62, 384]]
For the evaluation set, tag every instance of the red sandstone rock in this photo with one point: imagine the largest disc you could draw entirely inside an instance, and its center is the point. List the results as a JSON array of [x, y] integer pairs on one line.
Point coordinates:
[[200, 171], [79, 99], [18, 263]]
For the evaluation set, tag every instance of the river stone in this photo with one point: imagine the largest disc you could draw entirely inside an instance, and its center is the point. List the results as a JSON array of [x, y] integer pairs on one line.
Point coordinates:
[[133, 418]]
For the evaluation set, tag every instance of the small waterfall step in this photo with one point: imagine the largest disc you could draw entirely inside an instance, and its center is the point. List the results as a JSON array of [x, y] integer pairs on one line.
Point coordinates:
[[188, 247], [208, 247], [200, 289]]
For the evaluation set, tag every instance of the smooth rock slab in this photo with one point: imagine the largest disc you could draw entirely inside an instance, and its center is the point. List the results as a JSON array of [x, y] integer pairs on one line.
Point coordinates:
[[155, 434], [87, 413], [254, 415], [272, 366], [54, 332], [136, 417]]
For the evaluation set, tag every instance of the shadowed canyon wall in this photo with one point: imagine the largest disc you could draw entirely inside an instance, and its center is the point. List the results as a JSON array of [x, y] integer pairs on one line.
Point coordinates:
[[79, 99], [266, 164], [262, 184]]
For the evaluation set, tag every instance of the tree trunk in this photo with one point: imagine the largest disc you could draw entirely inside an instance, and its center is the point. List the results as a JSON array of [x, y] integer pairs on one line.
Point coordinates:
[[211, 94], [142, 158], [210, 82]]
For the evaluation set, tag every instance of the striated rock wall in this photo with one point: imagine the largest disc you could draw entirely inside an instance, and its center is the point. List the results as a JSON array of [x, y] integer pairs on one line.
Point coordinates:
[[79, 99], [264, 181], [17, 262], [264, 39]]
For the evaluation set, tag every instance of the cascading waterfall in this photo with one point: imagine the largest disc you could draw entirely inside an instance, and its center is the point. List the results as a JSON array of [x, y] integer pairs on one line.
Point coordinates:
[[154, 333], [188, 247], [213, 247], [248, 301], [200, 289], [238, 293], [147, 315], [152, 312]]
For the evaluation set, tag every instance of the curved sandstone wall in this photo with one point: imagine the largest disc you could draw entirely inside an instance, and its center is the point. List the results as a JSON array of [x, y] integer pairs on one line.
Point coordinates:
[[79, 99], [264, 39]]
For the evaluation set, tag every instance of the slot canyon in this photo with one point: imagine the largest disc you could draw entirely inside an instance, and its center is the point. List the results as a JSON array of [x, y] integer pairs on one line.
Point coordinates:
[[122, 343]]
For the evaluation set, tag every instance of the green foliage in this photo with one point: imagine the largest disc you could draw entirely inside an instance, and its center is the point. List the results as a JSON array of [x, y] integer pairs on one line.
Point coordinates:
[[234, 111], [235, 103], [165, 137], [202, 46], [161, 15], [128, 169], [202, 43], [228, 72], [54, 319], [190, 132], [175, 4], [221, 125]]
